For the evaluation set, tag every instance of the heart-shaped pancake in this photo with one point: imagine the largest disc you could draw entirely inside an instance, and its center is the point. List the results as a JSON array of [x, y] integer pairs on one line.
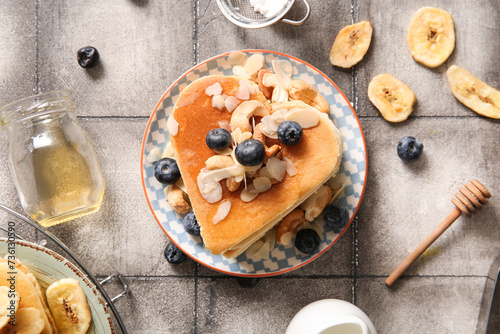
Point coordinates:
[[316, 159]]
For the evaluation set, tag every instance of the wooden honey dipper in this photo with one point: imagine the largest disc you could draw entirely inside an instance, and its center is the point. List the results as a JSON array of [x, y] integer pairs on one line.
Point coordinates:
[[469, 200]]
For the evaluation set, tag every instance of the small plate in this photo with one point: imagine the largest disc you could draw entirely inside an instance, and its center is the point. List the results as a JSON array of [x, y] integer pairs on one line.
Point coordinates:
[[282, 258], [49, 267]]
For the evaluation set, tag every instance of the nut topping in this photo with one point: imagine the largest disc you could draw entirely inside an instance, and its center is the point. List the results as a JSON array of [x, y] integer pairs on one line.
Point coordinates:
[[290, 223], [304, 91]]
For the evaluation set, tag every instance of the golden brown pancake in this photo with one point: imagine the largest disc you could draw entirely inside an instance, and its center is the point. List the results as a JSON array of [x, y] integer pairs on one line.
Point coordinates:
[[316, 158]]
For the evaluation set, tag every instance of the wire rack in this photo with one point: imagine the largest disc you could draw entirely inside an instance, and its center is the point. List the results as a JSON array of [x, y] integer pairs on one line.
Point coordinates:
[[98, 284]]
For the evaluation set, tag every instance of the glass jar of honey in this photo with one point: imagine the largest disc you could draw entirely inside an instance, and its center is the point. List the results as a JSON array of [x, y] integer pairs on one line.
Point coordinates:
[[52, 159]]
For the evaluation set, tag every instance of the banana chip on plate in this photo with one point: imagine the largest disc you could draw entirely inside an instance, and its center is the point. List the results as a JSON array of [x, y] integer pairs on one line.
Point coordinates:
[[474, 93], [351, 44], [431, 36], [393, 98], [32, 314], [69, 307]]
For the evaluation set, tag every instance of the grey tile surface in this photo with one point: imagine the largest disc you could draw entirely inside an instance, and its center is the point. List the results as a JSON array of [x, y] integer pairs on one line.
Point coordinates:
[[159, 305], [404, 202], [18, 53], [420, 301], [146, 44], [225, 307]]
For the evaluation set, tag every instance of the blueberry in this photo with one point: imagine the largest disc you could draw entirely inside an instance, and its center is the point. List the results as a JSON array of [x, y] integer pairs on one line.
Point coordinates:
[[307, 240], [251, 152], [218, 139], [173, 254], [191, 224], [410, 149], [167, 171], [248, 282], [87, 57], [289, 133], [336, 217]]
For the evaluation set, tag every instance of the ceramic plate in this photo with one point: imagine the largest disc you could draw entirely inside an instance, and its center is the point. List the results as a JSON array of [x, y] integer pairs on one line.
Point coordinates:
[[48, 267], [282, 258]]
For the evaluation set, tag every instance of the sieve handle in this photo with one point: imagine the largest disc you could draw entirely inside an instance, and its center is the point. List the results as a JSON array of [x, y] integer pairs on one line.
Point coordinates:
[[298, 23]]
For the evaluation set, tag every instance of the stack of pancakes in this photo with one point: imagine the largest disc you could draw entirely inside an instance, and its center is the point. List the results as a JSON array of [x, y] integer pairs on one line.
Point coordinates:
[[316, 157]]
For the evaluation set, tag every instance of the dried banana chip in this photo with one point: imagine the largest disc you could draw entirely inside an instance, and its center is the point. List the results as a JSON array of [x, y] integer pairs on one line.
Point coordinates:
[[351, 44], [431, 36], [474, 93], [393, 98]]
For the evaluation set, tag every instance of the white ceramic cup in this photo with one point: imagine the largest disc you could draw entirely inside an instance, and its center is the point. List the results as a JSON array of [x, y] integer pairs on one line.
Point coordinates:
[[331, 316]]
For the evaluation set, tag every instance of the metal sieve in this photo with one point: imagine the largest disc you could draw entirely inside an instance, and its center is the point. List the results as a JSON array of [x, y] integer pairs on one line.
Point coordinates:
[[241, 13]]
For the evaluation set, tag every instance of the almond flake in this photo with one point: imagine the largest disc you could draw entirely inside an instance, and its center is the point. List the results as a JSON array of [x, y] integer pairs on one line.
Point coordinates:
[[224, 125], [262, 184], [154, 155], [222, 211], [172, 125], [249, 85], [246, 194], [215, 89], [169, 151], [306, 117], [218, 102], [277, 168], [239, 71], [286, 238], [287, 67], [231, 103], [290, 167], [243, 93], [237, 58], [254, 64]]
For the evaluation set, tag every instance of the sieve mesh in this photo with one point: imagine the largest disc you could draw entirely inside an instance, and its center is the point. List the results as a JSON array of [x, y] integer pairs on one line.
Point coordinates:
[[242, 10]]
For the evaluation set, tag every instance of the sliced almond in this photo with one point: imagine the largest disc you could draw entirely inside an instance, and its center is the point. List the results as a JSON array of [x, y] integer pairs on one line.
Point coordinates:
[[218, 102], [248, 194], [215, 89], [239, 71], [222, 211], [231, 103], [237, 58], [250, 86], [169, 151], [276, 168], [254, 64], [172, 125], [287, 67], [243, 93], [290, 167], [262, 184], [154, 155], [307, 118]]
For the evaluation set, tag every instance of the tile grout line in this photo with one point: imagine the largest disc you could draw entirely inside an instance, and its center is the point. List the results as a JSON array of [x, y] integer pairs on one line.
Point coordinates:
[[196, 294], [37, 47], [196, 8], [354, 6], [279, 277]]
